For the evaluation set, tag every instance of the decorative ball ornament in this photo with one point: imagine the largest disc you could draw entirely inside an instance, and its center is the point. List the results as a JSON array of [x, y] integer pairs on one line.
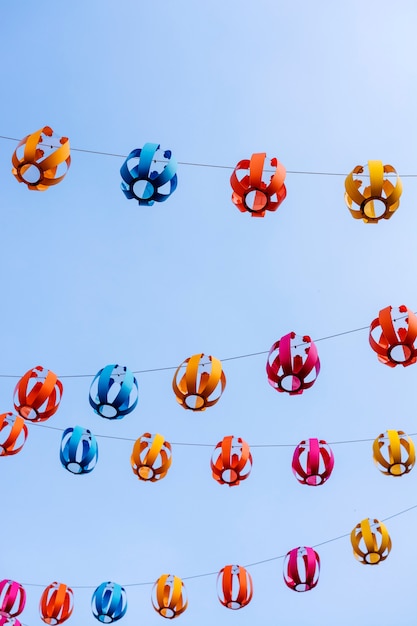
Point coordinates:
[[397, 330], [114, 392], [379, 200], [293, 364], [145, 184], [234, 587], [370, 545], [312, 462], [301, 569], [198, 389], [251, 192], [37, 394], [36, 169], [169, 596], [151, 457], [109, 602], [231, 461], [394, 453], [13, 434], [12, 598], [79, 451], [56, 604]]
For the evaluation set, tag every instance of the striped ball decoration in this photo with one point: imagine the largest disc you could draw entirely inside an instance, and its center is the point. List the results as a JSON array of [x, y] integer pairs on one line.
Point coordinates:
[[379, 200], [151, 457], [37, 395], [56, 604], [301, 569], [293, 364], [114, 392], [145, 184], [13, 434], [12, 598], [109, 602], [234, 587], [371, 542], [41, 165], [394, 453], [79, 451], [312, 462], [169, 596], [199, 388], [393, 334], [231, 461], [253, 191]]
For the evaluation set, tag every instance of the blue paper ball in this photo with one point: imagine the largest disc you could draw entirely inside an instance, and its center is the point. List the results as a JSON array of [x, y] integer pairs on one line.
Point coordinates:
[[114, 392], [79, 451], [148, 185], [109, 602]]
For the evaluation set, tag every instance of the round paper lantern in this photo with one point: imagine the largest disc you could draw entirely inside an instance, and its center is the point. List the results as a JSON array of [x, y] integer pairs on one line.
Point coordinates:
[[234, 587], [12, 598], [312, 462], [252, 191], [394, 453], [301, 569], [109, 602], [197, 388], [41, 165], [114, 392], [79, 451], [13, 434], [397, 330], [37, 394], [57, 603], [380, 199], [148, 185], [293, 364], [151, 457], [370, 541], [231, 461], [169, 597]]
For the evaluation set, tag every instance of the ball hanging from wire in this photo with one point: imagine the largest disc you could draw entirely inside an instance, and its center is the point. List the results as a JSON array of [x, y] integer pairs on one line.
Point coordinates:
[[394, 453], [79, 450], [56, 603], [371, 542], [231, 461], [151, 457], [114, 392], [109, 602], [13, 434], [169, 597], [149, 176], [37, 394], [301, 569], [199, 388], [12, 598], [234, 587], [393, 334], [293, 364], [312, 462]]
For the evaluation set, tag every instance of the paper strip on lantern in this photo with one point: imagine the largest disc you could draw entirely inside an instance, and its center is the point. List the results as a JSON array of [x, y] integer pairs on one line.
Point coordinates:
[[371, 542], [56, 604], [151, 457], [13, 434], [301, 569], [42, 164], [234, 587], [394, 453], [169, 597], [251, 191], [114, 392], [312, 462], [79, 450], [6, 620], [199, 388], [109, 602], [148, 185], [37, 394], [397, 330], [231, 461], [379, 200], [293, 364], [12, 598]]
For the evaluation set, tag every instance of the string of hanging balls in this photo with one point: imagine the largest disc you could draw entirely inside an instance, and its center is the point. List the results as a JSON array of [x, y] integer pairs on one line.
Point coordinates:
[[149, 175]]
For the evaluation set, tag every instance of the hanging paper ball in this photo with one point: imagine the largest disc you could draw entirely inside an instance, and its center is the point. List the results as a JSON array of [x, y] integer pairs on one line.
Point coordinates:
[[79, 451], [301, 569], [151, 457], [231, 461], [37, 394], [13, 434], [198, 389], [252, 191], [169, 597], [234, 587], [312, 462], [40, 163], [370, 541], [56, 604], [12, 598], [114, 392], [109, 602], [394, 453], [293, 364], [146, 184], [377, 201], [397, 330]]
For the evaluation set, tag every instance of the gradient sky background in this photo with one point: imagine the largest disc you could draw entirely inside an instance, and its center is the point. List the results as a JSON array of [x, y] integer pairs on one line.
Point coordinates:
[[89, 278]]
